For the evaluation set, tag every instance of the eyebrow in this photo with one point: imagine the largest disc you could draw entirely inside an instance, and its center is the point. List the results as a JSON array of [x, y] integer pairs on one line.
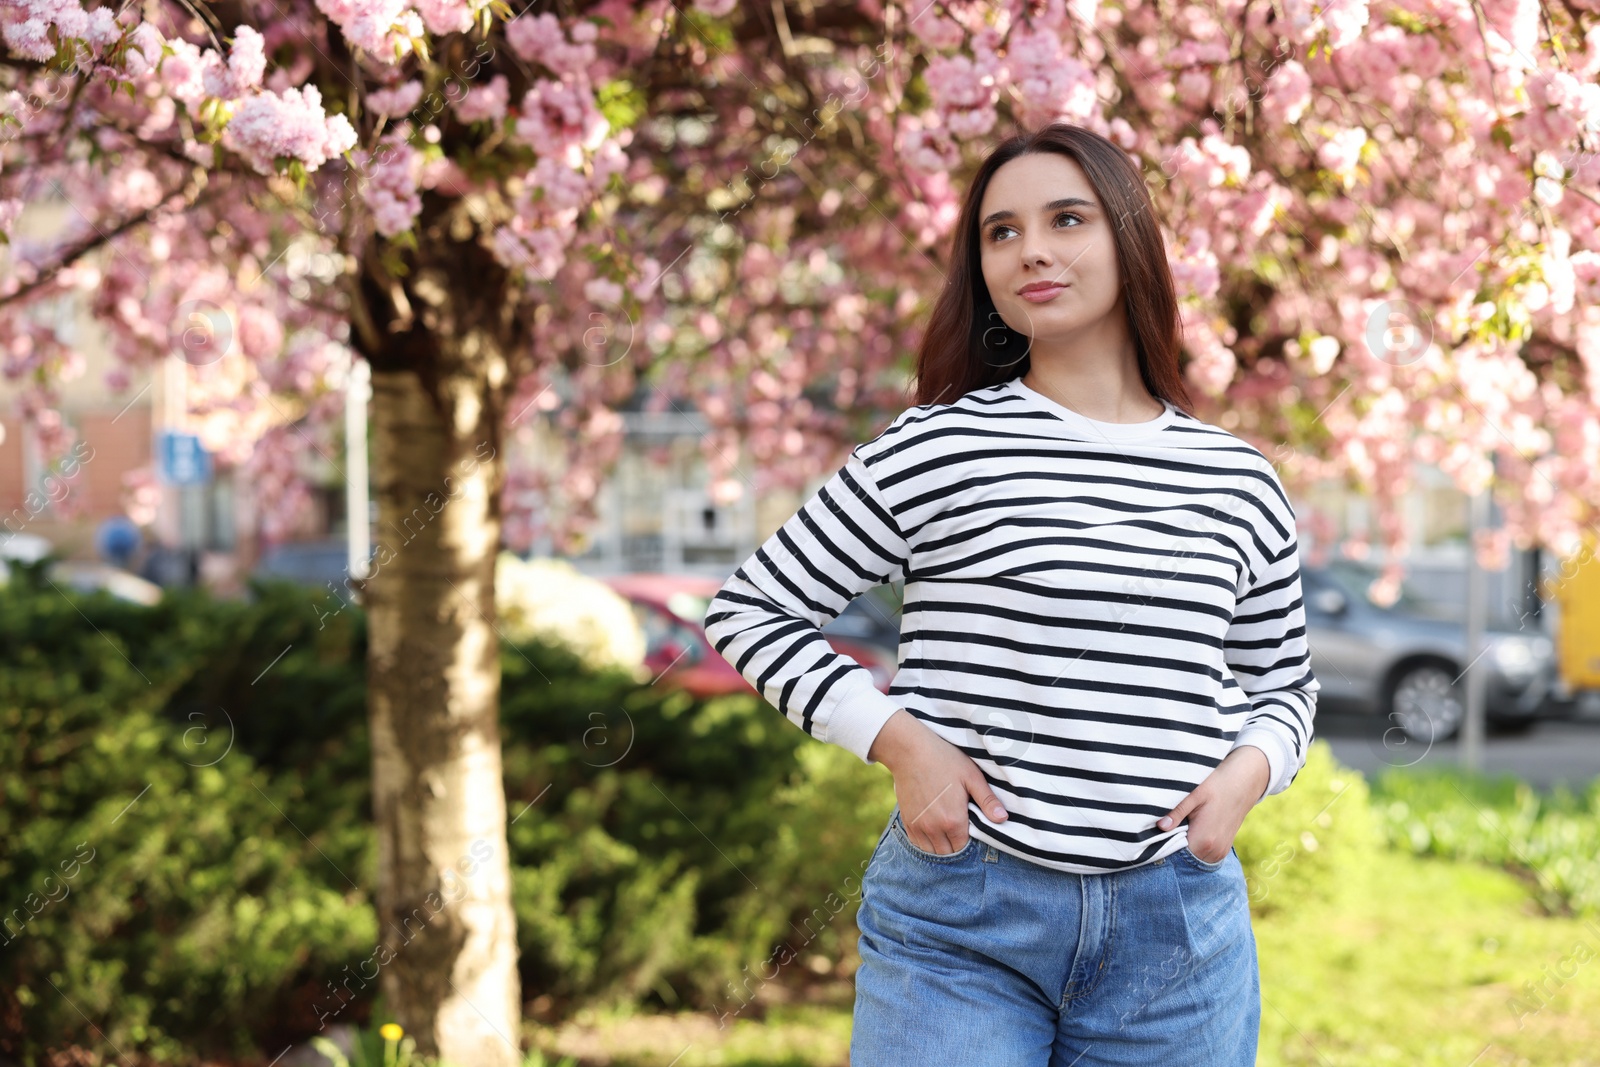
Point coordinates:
[[1054, 205]]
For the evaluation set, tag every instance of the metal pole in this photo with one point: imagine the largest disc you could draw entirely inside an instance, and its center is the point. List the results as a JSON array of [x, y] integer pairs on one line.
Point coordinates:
[[167, 416], [359, 529], [1472, 727]]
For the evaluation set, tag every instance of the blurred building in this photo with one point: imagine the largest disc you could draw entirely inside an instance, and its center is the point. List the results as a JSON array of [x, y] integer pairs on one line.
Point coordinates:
[[191, 528], [655, 513]]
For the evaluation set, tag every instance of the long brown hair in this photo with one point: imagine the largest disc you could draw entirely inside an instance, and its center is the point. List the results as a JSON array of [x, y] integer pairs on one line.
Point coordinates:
[[967, 346]]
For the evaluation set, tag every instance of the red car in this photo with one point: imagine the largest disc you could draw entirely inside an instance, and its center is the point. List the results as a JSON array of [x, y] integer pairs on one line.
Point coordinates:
[[671, 608]]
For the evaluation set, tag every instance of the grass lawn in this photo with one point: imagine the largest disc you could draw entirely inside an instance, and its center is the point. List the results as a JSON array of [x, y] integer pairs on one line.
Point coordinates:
[[1430, 963], [1421, 963]]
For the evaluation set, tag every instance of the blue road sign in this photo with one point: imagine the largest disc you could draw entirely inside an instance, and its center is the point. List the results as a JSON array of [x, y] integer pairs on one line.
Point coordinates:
[[182, 458]]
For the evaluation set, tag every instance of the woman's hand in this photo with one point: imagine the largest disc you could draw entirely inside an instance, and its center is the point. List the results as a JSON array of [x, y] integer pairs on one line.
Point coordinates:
[[1217, 806], [932, 781]]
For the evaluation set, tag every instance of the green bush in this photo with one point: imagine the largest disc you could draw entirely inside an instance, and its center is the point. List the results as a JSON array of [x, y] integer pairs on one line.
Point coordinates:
[[1552, 839], [1313, 841], [156, 894], [673, 843], [213, 756]]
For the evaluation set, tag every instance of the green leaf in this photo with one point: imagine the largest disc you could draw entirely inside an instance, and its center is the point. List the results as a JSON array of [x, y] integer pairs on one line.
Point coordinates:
[[1409, 21], [621, 102]]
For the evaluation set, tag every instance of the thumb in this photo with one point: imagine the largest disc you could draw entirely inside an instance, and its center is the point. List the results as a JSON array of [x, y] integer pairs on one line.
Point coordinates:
[[1177, 814], [980, 791]]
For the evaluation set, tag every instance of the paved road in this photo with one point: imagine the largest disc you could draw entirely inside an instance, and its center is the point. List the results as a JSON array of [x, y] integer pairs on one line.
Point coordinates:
[[1556, 750]]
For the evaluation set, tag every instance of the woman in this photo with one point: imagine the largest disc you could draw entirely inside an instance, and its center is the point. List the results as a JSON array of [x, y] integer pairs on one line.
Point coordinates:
[[1103, 660]]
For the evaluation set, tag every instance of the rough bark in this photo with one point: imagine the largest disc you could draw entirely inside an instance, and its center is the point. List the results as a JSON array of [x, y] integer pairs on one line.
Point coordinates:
[[438, 341]]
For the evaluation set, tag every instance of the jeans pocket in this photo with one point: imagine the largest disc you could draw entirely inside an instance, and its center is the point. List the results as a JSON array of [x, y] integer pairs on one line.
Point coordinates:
[[888, 828], [899, 828], [1204, 865]]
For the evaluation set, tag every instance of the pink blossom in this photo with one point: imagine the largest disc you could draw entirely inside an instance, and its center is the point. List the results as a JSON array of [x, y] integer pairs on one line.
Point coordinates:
[[260, 332], [559, 120], [341, 136], [539, 39], [103, 28], [70, 18], [390, 190], [1213, 364], [1288, 94], [445, 16], [925, 146], [649, 278], [141, 495], [292, 124], [971, 123], [602, 291], [144, 50], [182, 72], [608, 159], [565, 190], [378, 27], [29, 39], [538, 249], [955, 82], [1301, 18], [1049, 81], [1194, 267], [485, 103], [1123, 133], [1342, 152], [446, 175], [939, 33], [247, 60], [1444, 216], [1345, 19], [395, 101]]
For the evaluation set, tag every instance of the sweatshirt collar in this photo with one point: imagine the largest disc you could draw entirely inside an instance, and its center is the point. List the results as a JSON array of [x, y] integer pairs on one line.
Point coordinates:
[[1093, 429]]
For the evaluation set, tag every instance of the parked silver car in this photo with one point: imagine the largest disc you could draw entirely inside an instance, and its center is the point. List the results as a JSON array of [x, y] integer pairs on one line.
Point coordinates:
[[1407, 661]]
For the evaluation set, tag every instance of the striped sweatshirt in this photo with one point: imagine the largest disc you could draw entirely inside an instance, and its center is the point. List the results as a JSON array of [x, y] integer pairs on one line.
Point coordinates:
[[1096, 613]]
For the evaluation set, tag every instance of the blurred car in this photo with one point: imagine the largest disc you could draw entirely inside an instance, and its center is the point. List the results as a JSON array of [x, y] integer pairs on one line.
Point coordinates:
[[671, 610], [1405, 661], [24, 548], [170, 566], [89, 576], [80, 575], [873, 618], [308, 563]]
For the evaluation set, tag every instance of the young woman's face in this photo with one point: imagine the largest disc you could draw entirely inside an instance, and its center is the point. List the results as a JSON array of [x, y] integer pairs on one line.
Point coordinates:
[[1041, 222]]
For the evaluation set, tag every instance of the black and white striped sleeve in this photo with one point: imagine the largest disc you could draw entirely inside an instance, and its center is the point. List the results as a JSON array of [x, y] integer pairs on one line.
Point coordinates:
[[766, 619], [1267, 651]]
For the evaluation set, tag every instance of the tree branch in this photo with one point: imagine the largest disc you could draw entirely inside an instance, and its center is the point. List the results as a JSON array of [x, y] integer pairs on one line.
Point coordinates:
[[101, 237]]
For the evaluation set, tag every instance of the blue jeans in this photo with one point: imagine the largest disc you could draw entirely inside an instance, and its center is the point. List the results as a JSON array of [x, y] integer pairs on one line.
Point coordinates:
[[983, 959]]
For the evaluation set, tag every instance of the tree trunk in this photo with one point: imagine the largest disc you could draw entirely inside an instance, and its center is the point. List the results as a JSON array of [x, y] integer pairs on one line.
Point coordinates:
[[438, 348]]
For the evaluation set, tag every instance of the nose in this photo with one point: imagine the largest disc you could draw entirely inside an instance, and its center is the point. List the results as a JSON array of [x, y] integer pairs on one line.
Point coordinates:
[[1035, 251]]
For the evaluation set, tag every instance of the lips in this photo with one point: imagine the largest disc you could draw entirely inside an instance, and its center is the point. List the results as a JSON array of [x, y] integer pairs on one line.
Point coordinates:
[[1042, 294], [1034, 287]]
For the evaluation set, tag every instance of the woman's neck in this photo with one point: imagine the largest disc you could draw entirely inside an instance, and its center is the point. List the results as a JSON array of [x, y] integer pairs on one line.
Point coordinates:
[[1102, 391]]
